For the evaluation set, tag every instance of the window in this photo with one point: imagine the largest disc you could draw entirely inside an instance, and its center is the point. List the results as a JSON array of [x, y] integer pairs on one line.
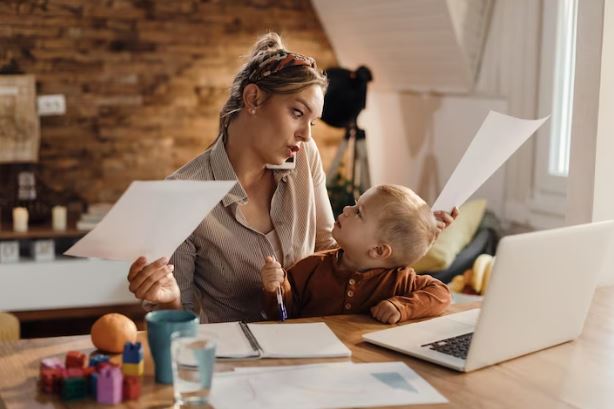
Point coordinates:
[[555, 99], [562, 98]]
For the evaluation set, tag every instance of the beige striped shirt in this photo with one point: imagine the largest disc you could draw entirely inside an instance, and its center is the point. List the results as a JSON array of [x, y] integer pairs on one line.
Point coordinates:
[[218, 267]]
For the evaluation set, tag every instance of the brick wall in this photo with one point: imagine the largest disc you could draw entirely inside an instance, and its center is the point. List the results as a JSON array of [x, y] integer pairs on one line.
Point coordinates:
[[143, 79]]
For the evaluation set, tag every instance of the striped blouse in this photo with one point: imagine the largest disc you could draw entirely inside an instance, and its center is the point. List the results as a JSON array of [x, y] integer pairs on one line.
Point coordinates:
[[218, 266]]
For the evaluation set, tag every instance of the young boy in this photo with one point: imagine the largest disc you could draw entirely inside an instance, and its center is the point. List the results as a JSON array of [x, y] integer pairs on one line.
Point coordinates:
[[388, 229]]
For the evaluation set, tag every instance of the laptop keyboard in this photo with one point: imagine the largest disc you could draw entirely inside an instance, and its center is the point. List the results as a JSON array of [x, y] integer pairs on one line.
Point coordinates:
[[456, 346]]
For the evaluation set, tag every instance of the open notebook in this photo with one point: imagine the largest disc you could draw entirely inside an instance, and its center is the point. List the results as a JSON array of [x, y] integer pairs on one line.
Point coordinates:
[[241, 340]]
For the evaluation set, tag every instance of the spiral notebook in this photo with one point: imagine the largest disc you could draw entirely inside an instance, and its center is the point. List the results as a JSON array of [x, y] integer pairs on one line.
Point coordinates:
[[242, 340]]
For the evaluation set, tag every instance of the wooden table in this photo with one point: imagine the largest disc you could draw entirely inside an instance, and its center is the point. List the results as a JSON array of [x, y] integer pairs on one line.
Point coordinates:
[[578, 374]]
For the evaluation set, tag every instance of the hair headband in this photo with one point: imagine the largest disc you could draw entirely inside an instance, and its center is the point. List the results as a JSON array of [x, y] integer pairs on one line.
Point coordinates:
[[281, 60]]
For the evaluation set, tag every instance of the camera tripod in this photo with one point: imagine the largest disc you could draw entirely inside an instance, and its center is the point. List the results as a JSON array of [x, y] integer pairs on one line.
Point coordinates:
[[360, 179]]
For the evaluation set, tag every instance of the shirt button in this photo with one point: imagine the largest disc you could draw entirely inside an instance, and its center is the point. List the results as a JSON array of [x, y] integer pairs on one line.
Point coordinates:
[[348, 306], [284, 178], [350, 293], [352, 281]]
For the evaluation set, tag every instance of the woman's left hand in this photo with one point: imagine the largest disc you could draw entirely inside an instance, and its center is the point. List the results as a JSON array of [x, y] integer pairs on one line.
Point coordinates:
[[444, 219]]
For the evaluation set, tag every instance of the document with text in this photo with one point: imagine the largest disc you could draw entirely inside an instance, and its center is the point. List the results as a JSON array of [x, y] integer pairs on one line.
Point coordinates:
[[325, 385]]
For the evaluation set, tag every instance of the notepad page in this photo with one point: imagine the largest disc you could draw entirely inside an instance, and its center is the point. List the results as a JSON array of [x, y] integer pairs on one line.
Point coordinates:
[[311, 340], [231, 341]]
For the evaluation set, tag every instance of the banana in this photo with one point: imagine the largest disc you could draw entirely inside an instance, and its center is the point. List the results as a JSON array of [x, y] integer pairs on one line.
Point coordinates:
[[487, 274], [457, 284], [480, 265]]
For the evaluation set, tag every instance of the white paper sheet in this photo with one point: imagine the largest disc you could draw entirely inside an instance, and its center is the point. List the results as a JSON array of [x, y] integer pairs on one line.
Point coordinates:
[[151, 219], [323, 386], [497, 139]]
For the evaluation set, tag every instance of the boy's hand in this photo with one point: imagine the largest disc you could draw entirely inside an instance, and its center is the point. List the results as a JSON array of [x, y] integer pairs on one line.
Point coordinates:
[[272, 275], [445, 219], [386, 312]]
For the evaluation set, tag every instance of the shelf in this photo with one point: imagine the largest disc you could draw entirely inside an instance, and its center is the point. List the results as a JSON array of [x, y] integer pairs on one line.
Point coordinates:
[[44, 232]]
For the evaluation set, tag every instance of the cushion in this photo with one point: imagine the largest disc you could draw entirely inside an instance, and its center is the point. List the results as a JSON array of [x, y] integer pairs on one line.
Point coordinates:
[[452, 240]]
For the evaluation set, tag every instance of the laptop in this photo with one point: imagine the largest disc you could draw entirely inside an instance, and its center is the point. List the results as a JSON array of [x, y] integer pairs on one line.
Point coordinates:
[[539, 294]]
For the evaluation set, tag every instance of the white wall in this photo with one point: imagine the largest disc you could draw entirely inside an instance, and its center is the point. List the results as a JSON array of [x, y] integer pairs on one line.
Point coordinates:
[[416, 128], [590, 187], [423, 138]]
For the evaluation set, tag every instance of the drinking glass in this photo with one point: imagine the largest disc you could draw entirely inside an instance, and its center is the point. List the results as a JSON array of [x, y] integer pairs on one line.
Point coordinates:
[[193, 359]]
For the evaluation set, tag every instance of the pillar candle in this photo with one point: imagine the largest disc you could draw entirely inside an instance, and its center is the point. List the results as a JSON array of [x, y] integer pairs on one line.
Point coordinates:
[[58, 216], [20, 219]]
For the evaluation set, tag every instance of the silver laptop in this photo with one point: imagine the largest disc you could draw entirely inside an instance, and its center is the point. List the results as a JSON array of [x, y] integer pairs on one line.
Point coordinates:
[[539, 294]]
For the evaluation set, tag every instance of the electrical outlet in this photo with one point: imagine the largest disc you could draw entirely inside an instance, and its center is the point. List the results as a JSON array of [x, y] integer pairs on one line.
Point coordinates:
[[51, 105]]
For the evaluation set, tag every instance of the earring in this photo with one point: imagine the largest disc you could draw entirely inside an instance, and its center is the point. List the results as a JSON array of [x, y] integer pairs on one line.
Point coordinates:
[[252, 111]]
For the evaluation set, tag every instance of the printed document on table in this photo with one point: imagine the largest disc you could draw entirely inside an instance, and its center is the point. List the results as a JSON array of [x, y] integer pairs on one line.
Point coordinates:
[[322, 386], [497, 139], [151, 219]]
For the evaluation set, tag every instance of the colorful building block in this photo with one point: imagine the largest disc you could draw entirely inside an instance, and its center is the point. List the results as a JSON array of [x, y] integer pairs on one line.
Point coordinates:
[[131, 388], [133, 369], [106, 364], [51, 380], [53, 362], [133, 353], [74, 373], [93, 385], [98, 358], [109, 387], [75, 359], [74, 388]]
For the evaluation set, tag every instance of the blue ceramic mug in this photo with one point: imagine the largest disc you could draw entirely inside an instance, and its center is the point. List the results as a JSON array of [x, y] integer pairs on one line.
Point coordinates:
[[160, 325]]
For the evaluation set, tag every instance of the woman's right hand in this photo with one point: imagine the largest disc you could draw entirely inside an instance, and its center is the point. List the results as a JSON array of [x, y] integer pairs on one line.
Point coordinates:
[[154, 282], [272, 274]]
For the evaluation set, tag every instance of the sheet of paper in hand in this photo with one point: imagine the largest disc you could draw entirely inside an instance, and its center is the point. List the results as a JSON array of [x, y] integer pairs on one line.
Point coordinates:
[[151, 219], [497, 139]]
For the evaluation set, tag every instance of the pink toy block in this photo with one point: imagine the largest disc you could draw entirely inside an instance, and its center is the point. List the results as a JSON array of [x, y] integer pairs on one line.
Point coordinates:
[[109, 388]]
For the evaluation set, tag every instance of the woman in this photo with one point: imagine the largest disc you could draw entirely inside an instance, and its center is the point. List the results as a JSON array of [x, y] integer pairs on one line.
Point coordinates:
[[267, 119]]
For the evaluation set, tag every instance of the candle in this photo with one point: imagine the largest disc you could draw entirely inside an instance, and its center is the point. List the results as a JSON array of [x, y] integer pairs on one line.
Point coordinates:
[[20, 219], [58, 216]]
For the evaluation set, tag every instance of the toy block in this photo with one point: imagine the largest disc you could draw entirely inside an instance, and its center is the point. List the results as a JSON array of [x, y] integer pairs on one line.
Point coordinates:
[[92, 385], [51, 380], [105, 364], [74, 388], [53, 362], [133, 353], [109, 387], [131, 388], [133, 369], [98, 358], [74, 373], [75, 359]]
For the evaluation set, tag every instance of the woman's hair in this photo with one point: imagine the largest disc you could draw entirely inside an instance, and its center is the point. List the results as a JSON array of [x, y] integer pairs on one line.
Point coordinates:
[[406, 223], [272, 69]]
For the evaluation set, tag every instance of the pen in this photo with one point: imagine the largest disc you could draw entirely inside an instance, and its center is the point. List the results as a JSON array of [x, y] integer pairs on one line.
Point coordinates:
[[283, 315]]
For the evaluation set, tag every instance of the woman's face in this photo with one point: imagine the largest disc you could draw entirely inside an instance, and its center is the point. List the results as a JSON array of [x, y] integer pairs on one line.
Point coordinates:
[[284, 121]]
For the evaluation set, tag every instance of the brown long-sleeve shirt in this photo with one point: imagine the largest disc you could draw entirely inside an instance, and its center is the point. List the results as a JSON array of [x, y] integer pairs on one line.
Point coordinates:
[[317, 286]]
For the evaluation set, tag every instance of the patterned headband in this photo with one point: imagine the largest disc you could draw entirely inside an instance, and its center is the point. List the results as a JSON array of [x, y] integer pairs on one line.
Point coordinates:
[[280, 60]]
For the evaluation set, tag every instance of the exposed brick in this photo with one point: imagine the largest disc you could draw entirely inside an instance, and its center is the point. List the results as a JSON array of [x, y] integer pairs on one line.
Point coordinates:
[[143, 80]]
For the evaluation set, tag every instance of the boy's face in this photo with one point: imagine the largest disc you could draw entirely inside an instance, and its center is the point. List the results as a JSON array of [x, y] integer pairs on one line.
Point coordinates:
[[356, 228]]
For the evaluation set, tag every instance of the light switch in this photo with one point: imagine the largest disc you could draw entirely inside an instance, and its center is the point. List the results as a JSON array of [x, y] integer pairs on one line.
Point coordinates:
[[51, 105]]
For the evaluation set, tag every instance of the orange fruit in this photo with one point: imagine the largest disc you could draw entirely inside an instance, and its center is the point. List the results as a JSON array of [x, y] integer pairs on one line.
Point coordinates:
[[111, 331]]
